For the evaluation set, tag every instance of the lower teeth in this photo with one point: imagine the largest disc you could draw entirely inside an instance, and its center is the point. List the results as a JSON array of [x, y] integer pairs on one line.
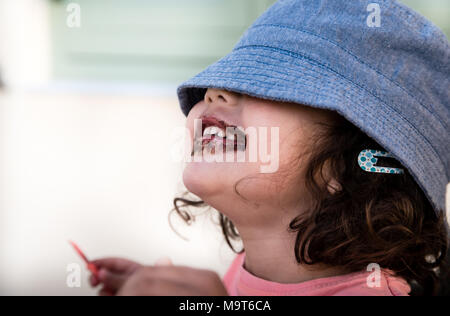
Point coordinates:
[[219, 144]]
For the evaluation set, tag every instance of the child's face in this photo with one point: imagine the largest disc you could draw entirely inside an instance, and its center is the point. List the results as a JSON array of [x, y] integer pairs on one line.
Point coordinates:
[[281, 188]]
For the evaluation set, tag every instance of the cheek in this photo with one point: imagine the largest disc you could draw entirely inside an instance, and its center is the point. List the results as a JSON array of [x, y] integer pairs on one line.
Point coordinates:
[[287, 184]]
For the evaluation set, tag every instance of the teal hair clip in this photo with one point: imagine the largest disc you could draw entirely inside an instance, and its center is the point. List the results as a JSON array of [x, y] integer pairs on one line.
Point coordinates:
[[367, 160]]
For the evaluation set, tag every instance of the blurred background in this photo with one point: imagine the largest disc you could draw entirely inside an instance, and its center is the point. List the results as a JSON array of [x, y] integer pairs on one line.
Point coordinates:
[[85, 115]]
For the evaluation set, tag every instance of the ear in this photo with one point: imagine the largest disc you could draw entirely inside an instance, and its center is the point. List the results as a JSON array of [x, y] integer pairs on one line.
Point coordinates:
[[333, 186]]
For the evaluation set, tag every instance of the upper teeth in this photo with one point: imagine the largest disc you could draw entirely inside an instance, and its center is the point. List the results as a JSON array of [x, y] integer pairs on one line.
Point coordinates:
[[214, 130]]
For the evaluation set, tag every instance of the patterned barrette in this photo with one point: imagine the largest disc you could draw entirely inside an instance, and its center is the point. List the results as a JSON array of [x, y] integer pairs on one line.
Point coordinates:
[[367, 160]]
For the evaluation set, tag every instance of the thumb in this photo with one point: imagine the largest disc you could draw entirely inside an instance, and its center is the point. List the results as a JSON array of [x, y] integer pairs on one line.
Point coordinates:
[[164, 261]]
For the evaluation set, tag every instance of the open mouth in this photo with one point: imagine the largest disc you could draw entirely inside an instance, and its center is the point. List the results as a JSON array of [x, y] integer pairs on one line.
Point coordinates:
[[216, 133]]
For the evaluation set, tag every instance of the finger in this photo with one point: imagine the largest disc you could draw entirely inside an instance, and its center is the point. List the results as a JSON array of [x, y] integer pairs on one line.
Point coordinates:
[[105, 292], [93, 280], [164, 261], [114, 264], [111, 280]]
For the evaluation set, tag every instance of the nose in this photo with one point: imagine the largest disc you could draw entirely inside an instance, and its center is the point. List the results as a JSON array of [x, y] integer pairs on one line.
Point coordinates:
[[221, 97]]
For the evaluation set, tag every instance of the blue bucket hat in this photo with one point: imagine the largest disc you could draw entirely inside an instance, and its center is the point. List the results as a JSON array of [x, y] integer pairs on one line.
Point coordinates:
[[389, 75]]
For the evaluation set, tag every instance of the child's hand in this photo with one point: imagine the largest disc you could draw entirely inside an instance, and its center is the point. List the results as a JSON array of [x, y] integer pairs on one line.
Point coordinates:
[[112, 274], [174, 281], [127, 278]]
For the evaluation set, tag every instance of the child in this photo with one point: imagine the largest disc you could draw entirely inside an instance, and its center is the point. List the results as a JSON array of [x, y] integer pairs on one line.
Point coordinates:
[[357, 97]]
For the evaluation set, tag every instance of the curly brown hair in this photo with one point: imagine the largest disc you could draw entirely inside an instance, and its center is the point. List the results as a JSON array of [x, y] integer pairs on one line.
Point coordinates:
[[372, 218]]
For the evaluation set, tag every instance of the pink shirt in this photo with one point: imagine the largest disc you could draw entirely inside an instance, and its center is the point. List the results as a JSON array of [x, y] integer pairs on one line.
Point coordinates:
[[240, 282]]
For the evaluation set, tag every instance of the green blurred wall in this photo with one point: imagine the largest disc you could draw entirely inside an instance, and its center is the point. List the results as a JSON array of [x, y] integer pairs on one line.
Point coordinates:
[[162, 40], [147, 40], [437, 11]]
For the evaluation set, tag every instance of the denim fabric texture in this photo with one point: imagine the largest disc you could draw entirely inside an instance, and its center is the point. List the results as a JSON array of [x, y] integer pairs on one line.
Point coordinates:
[[392, 81]]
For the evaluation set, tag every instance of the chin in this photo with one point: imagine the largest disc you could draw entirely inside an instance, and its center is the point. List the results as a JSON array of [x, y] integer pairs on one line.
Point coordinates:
[[209, 179], [214, 182]]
